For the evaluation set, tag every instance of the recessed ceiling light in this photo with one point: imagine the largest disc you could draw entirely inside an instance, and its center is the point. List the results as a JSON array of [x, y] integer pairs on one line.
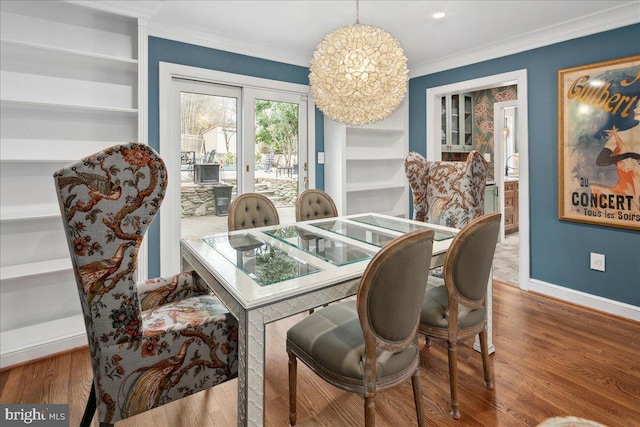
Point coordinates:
[[438, 15]]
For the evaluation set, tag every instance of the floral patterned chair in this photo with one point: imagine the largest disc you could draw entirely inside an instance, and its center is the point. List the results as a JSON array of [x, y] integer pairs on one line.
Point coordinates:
[[447, 193], [151, 342]]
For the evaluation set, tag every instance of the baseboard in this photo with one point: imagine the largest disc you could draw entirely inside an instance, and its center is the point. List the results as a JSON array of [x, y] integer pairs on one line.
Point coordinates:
[[595, 302], [44, 339]]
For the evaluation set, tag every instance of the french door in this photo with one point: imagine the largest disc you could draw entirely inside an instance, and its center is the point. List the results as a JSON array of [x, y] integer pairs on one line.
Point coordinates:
[[225, 140]]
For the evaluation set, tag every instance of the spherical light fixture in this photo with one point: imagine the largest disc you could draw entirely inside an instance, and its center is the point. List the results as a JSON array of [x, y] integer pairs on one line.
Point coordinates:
[[358, 74]]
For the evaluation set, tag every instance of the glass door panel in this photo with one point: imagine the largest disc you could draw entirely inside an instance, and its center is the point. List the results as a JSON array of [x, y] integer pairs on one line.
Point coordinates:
[[208, 156], [277, 142], [276, 154]]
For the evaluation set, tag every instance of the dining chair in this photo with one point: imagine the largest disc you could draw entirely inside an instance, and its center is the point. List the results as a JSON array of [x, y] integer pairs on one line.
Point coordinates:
[[251, 210], [150, 342], [315, 204], [447, 193], [370, 344], [455, 308]]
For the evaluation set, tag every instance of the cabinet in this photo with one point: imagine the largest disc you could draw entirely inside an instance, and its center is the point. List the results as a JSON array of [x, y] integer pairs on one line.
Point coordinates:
[[490, 198], [457, 123], [70, 77], [510, 207], [364, 166]]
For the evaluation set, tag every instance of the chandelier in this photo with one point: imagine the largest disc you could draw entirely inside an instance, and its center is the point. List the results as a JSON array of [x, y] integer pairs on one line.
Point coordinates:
[[358, 74]]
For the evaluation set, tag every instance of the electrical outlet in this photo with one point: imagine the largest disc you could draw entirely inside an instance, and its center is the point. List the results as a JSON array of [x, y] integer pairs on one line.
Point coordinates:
[[597, 261]]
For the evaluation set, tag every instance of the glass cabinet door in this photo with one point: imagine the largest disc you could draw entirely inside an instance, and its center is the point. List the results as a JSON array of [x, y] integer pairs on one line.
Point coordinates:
[[455, 120], [467, 124]]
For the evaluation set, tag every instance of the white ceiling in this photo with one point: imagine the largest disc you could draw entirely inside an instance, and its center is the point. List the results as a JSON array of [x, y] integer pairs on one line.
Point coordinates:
[[288, 31]]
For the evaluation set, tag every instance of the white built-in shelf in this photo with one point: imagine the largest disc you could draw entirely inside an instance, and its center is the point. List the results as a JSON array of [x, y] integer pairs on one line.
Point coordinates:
[[29, 212], [378, 131], [46, 106], [373, 186], [31, 269], [39, 151], [39, 53], [370, 158]]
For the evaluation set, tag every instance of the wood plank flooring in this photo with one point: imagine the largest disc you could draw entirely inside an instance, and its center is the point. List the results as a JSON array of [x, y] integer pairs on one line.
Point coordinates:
[[551, 359]]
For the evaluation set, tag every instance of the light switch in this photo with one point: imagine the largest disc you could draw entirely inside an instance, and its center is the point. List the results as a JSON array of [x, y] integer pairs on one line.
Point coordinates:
[[597, 261], [321, 157], [487, 157]]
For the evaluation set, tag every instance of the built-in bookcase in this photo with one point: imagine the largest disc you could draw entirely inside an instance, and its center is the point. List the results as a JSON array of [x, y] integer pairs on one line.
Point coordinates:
[[364, 166], [70, 78]]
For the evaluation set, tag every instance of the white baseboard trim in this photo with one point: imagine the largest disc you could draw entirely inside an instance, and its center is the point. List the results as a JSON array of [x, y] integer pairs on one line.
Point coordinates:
[[595, 302], [44, 339]]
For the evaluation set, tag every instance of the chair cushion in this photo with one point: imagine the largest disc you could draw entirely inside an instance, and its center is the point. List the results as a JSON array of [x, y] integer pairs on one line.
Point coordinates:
[[178, 315], [434, 309], [333, 338]]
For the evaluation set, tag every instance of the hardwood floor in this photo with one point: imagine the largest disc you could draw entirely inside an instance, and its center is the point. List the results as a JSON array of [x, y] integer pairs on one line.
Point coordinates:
[[551, 359]]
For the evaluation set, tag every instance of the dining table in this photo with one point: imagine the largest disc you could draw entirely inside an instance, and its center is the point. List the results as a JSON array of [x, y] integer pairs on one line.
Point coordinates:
[[268, 273]]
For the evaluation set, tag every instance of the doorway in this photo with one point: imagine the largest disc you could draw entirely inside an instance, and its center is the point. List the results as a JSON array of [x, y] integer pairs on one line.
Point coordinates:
[[221, 136], [434, 145]]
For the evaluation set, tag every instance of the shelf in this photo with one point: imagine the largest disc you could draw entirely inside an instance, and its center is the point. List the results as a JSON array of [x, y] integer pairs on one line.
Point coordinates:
[[29, 212], [375, 131], [28, 105], [375, 159], [35, 269], [42, 52], [372, 186], [39, 151]]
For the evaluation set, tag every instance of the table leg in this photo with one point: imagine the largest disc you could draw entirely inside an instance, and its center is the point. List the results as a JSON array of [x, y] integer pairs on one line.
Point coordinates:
[[251, 362]]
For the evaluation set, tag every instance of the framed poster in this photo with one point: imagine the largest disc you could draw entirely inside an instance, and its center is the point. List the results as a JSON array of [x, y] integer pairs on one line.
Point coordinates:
[[599, 143]]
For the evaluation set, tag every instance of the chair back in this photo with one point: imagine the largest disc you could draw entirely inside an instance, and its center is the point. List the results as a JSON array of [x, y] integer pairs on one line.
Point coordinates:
[[315, 204], [391, 292], [447, 193], [468, 262], [251, 210], [108, 201]]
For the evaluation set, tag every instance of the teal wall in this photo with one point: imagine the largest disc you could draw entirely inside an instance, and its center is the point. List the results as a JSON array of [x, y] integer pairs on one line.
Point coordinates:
[[559, 250], [162, 50]]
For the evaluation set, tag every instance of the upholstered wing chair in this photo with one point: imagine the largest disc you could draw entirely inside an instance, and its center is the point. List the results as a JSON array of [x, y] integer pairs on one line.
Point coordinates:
[[150, 342], [447, 193]]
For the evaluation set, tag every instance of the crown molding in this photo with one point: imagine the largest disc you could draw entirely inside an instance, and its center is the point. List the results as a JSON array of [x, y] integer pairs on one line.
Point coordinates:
[[608, 20], [220, 41], [616, 17], [133, 9]]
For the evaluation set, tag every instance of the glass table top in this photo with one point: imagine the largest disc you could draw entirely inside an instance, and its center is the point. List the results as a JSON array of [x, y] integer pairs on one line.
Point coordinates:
[[331, 250], [264, 263], [362, 234], [401, 226]]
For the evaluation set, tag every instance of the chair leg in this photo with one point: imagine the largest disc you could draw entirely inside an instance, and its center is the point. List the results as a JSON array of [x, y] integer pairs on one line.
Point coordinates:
[[293, 372], [417, 396], [370, 411], [486, 363], [90, 409], [453, 378]]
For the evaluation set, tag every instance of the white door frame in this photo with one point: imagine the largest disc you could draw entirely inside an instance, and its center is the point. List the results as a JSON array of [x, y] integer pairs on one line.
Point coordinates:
[[499, 156], [170, 209], [434, 150]]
